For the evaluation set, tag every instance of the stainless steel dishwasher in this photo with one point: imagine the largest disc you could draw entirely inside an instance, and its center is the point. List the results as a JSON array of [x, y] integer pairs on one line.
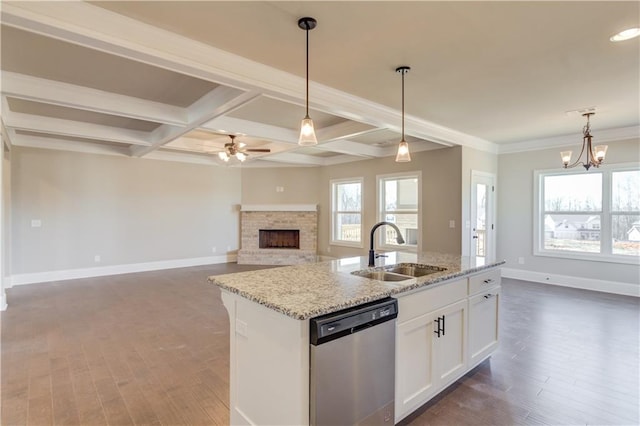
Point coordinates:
[[353, 365]]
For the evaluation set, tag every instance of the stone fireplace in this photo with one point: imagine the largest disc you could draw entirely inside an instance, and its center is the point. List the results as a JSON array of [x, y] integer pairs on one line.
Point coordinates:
[[278, 234]]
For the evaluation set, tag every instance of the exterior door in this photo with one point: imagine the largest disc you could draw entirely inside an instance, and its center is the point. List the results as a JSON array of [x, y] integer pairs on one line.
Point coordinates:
[[482, 235]]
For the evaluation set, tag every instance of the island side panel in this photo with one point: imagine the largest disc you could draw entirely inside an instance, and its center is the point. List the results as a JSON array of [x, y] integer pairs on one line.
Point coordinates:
[[269, 365]]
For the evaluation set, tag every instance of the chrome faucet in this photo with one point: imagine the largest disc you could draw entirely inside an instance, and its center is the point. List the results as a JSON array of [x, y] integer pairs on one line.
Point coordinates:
[[399, 239]]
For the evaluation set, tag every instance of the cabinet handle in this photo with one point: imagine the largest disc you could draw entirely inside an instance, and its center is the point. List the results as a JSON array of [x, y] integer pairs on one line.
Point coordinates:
[[443, 325], [488, 281], [488, 296], [437, 330]]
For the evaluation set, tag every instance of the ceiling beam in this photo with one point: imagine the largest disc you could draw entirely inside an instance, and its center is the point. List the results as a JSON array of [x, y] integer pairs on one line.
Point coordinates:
[[290, 157], [32, 141], [231, 125], [72, 96], [344, 130], [221, 100], [352, 148], [91, 26], [78, 129]]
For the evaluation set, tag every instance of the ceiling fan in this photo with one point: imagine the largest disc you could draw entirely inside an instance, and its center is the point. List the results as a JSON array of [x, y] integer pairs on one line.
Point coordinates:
[[238, 150]]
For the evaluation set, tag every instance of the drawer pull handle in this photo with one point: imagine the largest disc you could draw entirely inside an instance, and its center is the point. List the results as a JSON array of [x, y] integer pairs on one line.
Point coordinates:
[[488, 281], [488, 296]]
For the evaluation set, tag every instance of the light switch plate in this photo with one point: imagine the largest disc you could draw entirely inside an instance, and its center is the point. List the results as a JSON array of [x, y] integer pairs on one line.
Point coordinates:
[[452, 224], [36, 223]]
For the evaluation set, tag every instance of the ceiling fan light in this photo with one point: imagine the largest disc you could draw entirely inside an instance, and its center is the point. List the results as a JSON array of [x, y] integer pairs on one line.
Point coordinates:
[[223, 156], [241, 156], [403, 155], [566, 158], [307, 133]]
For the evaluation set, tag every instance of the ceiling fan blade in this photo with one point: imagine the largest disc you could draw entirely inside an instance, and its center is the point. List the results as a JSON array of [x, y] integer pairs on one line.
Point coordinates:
[[257, 150]]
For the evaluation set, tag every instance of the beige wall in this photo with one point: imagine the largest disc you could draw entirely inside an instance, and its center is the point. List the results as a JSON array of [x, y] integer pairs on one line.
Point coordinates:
[[441, 182], [126, 210], [300, 185], [515, 215], [473, 160]]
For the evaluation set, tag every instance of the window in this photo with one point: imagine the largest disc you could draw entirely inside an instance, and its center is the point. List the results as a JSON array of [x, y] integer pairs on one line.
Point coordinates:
[[399, 203], [346, 208], [589, 215]]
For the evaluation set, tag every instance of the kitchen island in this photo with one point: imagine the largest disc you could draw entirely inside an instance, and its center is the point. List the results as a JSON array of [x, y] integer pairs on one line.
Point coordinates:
[[269, 313]]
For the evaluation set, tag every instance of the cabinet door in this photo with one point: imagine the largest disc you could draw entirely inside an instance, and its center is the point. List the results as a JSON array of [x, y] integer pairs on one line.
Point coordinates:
[[483, 325], [450, 347], [414, 358]]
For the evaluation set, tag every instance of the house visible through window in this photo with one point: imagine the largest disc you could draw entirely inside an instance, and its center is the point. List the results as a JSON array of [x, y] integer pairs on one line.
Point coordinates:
[[346, 207], [594, 214], [399, 203]]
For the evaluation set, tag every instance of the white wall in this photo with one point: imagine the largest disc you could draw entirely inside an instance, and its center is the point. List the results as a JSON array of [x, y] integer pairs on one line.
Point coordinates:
[[515, 218], [125, 210]]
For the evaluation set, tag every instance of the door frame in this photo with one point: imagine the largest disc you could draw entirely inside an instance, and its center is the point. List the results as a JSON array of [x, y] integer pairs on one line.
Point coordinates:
[[490, 237]]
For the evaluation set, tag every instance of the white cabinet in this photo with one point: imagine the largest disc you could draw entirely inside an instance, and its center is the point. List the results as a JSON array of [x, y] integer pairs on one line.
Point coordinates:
[[483, 325], [442, 333], [430, 348]]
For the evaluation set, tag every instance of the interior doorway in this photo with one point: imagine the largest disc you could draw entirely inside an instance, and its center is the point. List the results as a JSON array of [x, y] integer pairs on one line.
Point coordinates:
[[482, 230]]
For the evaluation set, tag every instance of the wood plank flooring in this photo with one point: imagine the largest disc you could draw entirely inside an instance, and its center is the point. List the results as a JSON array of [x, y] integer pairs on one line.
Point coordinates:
[[152, 348]]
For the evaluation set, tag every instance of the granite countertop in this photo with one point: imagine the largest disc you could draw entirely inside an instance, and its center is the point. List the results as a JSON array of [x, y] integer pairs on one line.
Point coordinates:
[[313, 289]]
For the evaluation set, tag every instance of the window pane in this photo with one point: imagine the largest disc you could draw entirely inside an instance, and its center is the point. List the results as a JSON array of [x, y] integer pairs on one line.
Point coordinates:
[[572, 232], [408, 224], [349, 196], [573, 193], [390, 195], [408, 194], [626, 234], [625, 191], [347, 227]]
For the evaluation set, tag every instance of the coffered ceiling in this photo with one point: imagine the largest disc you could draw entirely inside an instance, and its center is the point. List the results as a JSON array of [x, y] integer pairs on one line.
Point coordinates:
[[171, 79]]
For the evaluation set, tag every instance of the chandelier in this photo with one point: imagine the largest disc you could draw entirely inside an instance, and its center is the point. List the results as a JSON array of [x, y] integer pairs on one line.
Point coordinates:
[[594, 157]]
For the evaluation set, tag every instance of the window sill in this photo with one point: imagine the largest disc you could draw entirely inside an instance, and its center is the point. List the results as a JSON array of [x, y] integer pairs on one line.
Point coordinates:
[[347, 244], [591, 257]]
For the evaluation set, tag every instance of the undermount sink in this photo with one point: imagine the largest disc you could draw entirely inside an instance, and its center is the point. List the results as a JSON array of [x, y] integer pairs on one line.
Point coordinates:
[[400, 272], [383, 276], [414, 269]]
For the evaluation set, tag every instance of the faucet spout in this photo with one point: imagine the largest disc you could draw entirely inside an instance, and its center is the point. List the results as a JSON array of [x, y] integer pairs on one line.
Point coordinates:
[[399, 239]]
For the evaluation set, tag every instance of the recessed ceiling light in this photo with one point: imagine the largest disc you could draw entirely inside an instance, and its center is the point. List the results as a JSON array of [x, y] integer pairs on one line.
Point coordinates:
[[626, 34]]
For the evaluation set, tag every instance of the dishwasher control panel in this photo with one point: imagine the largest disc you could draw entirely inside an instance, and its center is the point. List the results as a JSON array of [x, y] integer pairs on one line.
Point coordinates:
[[332, 326]]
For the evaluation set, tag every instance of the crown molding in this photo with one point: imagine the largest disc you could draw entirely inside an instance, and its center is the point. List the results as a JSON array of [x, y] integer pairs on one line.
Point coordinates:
[[608, 135], [93, 27]]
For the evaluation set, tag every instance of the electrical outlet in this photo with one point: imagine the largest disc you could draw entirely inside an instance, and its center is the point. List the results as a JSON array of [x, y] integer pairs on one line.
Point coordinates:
[[521, 260], [241, 328], [452, 224], [228, 248], [36, 223], [279, 188], [96, 258], [213, 249]]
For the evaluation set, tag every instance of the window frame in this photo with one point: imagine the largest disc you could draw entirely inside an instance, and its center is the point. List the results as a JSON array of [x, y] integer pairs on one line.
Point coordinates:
[[606, 214], [333, 184], [381, 211]]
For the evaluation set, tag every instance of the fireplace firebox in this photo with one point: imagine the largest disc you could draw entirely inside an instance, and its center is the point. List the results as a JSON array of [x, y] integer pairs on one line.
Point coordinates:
[[279, 239]]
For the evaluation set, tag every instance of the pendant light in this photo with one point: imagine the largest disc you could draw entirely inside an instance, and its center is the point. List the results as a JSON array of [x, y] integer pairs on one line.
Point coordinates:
[[403, 155], [307, 133], [593, 157]]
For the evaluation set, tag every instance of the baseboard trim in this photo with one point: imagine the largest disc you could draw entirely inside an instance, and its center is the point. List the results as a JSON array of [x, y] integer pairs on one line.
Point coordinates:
[[70, 274], [615, 287]]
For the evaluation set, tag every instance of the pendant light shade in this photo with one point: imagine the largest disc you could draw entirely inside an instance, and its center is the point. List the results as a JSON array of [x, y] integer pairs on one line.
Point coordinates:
[[307, 132], [403, 155]]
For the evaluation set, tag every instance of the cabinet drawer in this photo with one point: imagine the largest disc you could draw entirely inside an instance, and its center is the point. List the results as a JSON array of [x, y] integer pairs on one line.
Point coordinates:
[[429, 299], [484, 281]]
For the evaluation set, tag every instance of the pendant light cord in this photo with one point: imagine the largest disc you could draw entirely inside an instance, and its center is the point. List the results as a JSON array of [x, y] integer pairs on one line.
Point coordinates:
[[403, 72], [307, 31]]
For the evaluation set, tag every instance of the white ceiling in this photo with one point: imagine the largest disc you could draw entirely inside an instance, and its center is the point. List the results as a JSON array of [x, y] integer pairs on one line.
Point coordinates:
[[169, 79]]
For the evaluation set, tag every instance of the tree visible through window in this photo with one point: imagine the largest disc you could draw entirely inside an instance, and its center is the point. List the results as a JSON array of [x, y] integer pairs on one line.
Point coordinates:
[[594, 212], [399, 204], [346, 206]]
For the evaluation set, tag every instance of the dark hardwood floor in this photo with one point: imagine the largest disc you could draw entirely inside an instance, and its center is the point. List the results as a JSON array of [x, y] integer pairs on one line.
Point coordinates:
[[152, 348]]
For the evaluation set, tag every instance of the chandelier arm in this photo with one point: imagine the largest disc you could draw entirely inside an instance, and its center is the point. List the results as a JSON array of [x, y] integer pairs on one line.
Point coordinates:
[[579, 156]]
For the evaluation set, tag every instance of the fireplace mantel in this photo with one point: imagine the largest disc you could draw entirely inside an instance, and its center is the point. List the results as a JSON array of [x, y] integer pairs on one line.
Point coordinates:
[[278, 207]]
